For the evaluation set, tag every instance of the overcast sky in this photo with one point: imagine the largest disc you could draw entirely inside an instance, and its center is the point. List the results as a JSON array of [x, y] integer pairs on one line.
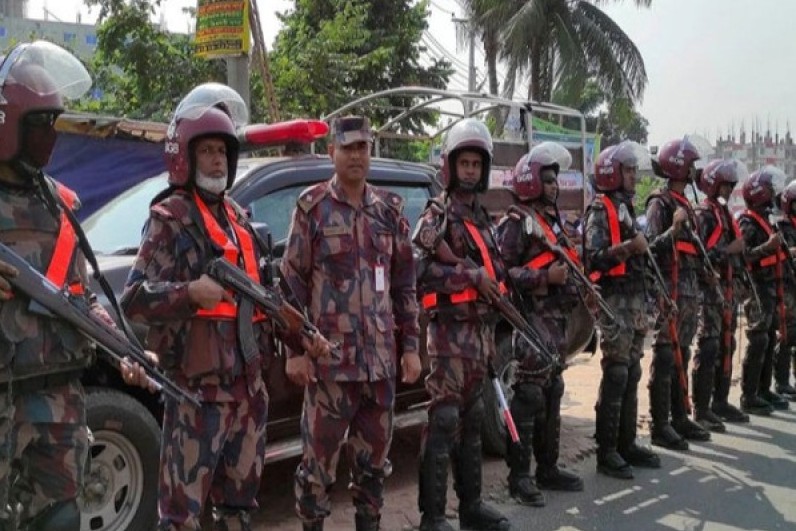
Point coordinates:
[[710, 63]]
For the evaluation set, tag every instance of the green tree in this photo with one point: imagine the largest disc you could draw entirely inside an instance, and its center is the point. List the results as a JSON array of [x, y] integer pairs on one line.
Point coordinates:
[[555, 40], [142, 72], [330, 52]]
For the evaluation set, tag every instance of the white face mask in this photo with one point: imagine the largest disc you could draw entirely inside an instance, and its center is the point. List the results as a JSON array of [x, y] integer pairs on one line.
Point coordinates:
[[214, 185]]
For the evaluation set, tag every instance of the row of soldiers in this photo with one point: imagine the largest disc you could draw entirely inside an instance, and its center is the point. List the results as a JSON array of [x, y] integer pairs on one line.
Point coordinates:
[[359, 271]]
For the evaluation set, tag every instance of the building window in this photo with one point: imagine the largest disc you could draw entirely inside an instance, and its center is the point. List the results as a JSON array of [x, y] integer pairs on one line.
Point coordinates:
[[91, 40], [69, 37], [2, 31]]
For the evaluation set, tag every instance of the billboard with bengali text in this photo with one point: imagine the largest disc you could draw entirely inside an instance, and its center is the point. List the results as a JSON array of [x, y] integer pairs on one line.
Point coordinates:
[[222, 28]]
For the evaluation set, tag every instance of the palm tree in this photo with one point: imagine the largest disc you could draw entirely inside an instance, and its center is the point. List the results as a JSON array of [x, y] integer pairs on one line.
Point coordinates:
[[558, 42]]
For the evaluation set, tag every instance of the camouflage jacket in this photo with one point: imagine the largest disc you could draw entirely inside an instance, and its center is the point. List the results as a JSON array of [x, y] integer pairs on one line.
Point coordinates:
[[708, 222], [787, 227], [202, 354], [518, 249], [660, 233], [755, 237], [352, 268], [597, 241], [32, 344], [434, 276]]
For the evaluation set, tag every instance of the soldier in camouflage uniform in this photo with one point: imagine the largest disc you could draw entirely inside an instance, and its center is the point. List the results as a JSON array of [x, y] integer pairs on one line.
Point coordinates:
[[768, 268], [43, 435], [786, 355], [545, 289], [205, 344], [614, 249], [457, 279], [349, 261], [669, 214], [712, 371]]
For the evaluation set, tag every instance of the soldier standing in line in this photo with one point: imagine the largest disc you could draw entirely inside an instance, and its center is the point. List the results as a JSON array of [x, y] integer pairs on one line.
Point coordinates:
[[670, 222], [204, 341], [545, 289], [43, 433], [614, 249], [457, 279], [767, 263], [712, 371], [349, 262], [786, 360]]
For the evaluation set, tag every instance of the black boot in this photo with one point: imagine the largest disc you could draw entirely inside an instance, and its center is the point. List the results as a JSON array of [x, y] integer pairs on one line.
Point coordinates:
[[786, 391], [776, 401], [366, 522], [230, 519], [473, 512], [754, 405], [629, 449], [608, 408], [687, 428], [434, 461], [721, 405], [525, 404], [702, 379], [782, 356], [750, 377], [660, 405], [315, 525]]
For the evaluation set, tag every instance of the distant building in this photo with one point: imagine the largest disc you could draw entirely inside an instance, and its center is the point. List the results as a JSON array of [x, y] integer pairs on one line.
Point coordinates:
[[80, 39], [13, 8]]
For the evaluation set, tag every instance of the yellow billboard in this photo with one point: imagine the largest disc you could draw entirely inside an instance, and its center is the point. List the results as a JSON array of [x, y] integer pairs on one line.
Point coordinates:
[[222, 28]]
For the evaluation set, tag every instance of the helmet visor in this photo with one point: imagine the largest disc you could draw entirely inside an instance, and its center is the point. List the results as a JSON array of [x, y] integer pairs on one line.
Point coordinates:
[[778, 178], [633, 154], [67, 75], [209, 95], [703, 149], [549, 153]]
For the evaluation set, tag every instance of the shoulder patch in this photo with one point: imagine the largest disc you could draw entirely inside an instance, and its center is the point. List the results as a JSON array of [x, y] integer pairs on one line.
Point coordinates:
[[313, 195], [176, 206], [391, 199]]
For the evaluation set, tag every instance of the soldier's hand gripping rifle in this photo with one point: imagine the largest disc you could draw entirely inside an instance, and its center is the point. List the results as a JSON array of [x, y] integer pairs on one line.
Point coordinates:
[[269, 301], [506, 309], [606, 317], [48, 299]]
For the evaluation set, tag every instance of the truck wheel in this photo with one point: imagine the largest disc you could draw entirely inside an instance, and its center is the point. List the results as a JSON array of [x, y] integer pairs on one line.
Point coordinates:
[[122, 481], [493, 436]]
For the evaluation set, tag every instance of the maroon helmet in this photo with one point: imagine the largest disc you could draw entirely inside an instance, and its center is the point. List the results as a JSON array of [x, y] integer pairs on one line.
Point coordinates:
[[608, 169], [471, 135], [719, 172], [787, 198], [527, 182], [677, 157], [762, 186], [209, 110], [34, 79]]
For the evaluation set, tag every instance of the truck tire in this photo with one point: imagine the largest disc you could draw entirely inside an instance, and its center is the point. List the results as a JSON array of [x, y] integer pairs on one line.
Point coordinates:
[[493, 436], [121, 484]]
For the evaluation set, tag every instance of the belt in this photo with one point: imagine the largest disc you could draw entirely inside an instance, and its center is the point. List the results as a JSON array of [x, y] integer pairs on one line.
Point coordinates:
[[39, 383]]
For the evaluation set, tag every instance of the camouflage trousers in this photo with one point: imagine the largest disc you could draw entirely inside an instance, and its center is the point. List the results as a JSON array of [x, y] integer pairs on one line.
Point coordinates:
[[712, 348], [363, 410], [631, 317], [41, 463], [216, 450]]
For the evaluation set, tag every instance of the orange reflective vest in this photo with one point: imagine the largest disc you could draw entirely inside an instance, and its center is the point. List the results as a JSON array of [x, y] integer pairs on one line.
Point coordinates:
[[430, 300], [227, 310], [773, 259], [714, 237], [684, 246], [65, 245], [546, 258], [616, 238]]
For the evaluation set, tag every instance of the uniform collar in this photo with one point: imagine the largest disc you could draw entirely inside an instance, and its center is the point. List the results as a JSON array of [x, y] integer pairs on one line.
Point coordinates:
[[337, 191]]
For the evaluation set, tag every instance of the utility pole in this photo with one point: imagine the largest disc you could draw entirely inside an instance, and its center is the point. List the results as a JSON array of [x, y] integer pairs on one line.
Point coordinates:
[[471, 81]]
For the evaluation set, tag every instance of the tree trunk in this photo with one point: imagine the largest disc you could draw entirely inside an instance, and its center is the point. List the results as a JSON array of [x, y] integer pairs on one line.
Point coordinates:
[[491, 51]]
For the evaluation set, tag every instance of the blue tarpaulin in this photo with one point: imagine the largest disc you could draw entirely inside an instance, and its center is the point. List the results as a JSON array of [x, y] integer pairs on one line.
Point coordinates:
[[99, 169]]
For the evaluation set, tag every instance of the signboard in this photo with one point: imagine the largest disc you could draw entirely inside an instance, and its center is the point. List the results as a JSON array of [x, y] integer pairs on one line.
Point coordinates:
[[222, 28]]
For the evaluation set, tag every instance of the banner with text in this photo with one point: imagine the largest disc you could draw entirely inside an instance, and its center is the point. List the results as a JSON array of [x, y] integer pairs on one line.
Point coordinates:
[[222, 28]]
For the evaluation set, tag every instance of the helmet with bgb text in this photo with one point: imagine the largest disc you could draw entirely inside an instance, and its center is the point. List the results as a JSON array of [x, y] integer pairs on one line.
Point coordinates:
[[763, 186], [466, 135], [608, 168], [209, 110], [720, 172], [677, 158], [527, 182]]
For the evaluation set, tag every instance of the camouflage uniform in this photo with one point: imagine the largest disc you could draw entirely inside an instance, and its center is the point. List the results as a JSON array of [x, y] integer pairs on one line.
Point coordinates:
[[352, 268], [785, 356], [536, 404], [218, 449], [623, 286], [712, 371], [43, 433], [666, 391]]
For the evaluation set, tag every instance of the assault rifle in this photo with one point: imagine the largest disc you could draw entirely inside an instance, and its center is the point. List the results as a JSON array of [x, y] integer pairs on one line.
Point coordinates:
[[506, 309], [48, 299], [269, 301]]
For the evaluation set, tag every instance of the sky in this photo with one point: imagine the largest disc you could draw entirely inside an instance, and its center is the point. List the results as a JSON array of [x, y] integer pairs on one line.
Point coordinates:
[[712, 64]]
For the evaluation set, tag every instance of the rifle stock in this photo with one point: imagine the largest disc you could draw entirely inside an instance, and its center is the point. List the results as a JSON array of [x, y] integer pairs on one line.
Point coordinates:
[[269, 301], [62, 306]]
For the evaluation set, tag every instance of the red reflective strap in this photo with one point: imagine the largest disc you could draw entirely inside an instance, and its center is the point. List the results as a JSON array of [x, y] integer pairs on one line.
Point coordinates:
[[685, 247], [479, 242], [540, 260], [616, 239], [65, 244], [716, 234], [429, 300], [776, 258], [227, 310]]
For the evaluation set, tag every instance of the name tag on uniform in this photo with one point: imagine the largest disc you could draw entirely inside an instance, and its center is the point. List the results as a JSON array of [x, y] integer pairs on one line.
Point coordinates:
[[380, 278], [335, 230]]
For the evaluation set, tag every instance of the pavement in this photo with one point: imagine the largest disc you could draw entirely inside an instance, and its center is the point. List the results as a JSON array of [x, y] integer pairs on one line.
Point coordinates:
[[400, 512]]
